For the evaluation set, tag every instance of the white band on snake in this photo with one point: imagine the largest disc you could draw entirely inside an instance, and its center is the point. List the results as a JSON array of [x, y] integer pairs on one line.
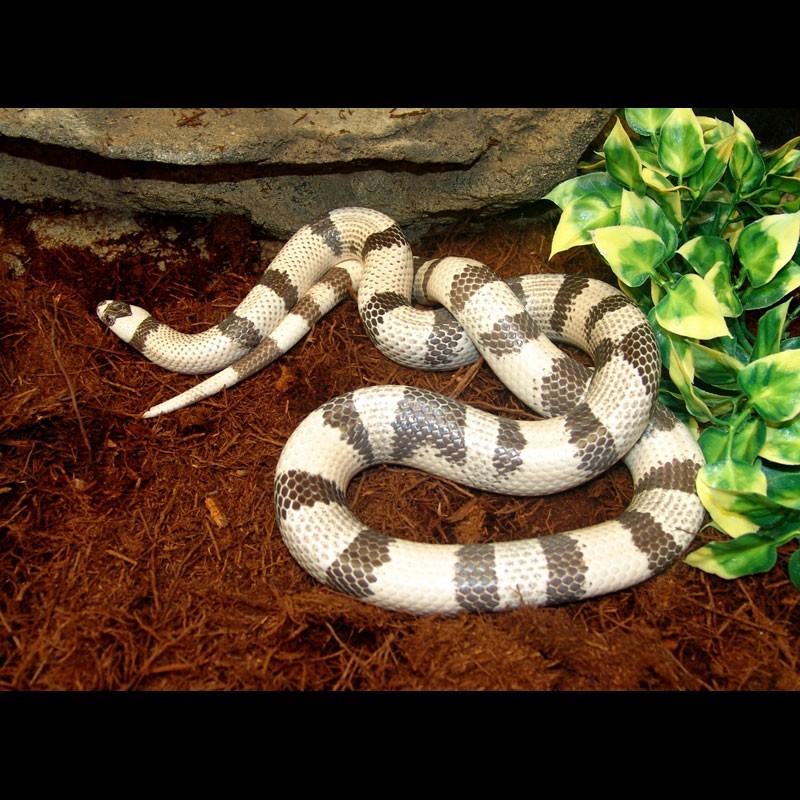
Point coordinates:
[[595, 418]]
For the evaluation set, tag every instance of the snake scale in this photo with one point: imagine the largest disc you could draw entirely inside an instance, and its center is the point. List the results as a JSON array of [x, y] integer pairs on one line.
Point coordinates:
[[438, 315]]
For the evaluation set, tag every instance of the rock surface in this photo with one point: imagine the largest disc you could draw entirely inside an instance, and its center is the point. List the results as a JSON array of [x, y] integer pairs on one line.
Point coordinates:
[[282, 167]]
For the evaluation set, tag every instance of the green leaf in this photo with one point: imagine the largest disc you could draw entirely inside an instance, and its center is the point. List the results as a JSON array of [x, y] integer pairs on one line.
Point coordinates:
[[735, 495], [633, 253], [782, 443], [668, 197], [735, 476], [785, 159], [716, 367], [794, 568], [715, 130], [784, 488], [770, 332], [669, 396], [718, 279], [663, 338], [714, 444], [680, 364], [770, 199], [746, 442], [721, 485], [772, 384], [649, 160], [644, 212], [792, 205], [579, 218], [681, 149], [767, 245], [622, 160], [776, 472], [639, 294], [749, 554], [655, 180], [784, 183], [746, 164], [714, 166], [646, 121], [712, 217], [592, 183], [787, 280], [732, 347], [720, 404], [703, 252], [690, 309]]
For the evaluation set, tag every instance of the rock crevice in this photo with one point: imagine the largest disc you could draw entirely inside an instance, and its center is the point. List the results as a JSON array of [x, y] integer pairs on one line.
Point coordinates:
[[284, 167]]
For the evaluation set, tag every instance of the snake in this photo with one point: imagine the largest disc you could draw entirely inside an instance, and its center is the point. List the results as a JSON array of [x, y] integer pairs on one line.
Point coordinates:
[[440, 314]]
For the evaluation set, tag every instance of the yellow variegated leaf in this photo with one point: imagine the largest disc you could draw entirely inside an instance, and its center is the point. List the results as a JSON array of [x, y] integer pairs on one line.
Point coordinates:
[[680, 365], [767, 245], [704, 558], [718, 279], [690, 309], [646, 121], [622, 161], [681, 149], [579, 218], [773, 385], [782, 444], [632, 252], [718, 486]]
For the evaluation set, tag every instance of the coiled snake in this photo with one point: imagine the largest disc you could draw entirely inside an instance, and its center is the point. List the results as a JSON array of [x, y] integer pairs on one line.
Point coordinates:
[[594, 418]]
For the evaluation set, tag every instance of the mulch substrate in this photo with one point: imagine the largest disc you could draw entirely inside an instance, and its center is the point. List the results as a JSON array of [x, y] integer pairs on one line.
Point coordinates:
[[143, 554]]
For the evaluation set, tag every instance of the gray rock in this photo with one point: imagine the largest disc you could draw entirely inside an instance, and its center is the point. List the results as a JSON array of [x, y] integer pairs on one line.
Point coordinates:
[[282, 167]]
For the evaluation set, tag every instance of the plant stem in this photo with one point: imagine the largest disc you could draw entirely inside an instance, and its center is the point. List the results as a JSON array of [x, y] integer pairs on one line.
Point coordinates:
[[734, 427], [743, 335]]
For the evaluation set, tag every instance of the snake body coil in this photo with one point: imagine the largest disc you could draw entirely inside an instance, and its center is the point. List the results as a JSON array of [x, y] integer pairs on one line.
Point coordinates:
[[594, 418]]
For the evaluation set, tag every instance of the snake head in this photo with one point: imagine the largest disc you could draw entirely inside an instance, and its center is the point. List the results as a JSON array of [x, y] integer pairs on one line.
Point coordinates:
[[110, 311], [123, 319]]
